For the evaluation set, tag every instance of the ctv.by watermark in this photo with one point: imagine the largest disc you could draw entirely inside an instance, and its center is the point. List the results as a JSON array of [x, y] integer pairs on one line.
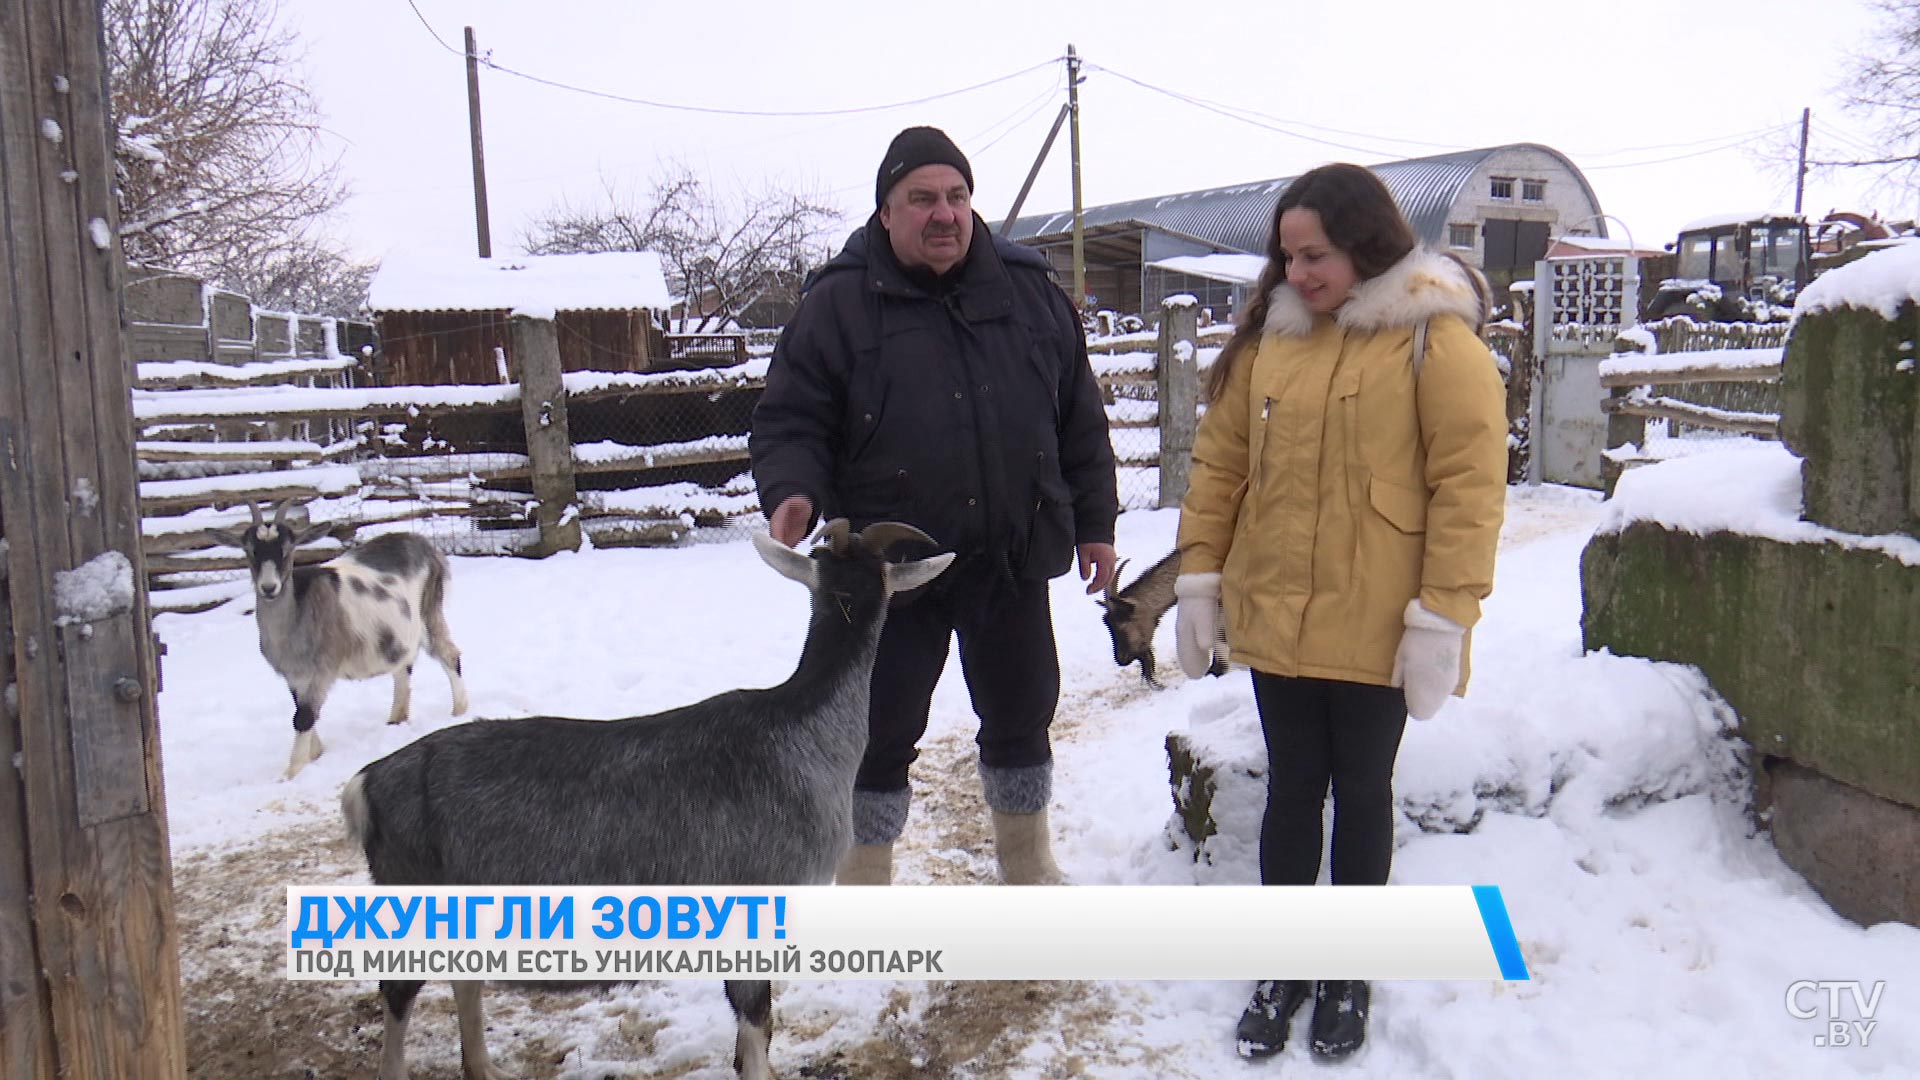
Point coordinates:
[[1827, 999]]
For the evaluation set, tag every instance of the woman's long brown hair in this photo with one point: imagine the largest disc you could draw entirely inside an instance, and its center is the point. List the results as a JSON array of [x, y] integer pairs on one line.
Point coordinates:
[[1360, 218]]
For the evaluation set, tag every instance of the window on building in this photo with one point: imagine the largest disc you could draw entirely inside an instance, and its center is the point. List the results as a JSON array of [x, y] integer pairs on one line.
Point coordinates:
[[1533, 191], [1502, 187], [1460, 236]]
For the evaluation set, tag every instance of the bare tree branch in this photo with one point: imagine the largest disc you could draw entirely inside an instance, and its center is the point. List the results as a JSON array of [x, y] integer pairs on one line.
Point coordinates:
[[722, 255], [1885, 90], [217, 158]]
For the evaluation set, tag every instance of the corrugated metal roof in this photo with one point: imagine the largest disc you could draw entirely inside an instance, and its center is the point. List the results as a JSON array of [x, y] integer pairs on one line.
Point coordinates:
[[1239, 217]]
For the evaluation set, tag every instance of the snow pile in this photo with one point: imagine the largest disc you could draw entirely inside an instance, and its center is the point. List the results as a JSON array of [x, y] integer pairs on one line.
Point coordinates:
[[100, 588], [1882, 282], [1747, 486]]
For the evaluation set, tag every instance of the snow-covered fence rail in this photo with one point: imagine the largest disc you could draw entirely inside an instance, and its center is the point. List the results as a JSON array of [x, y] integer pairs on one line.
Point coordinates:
[[1692, 389], [449, 461]]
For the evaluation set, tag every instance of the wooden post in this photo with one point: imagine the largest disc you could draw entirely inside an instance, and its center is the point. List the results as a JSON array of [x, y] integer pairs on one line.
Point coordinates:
[[1622, 428], [543, 405], [89, 950], [1520, 375], [1177, 377]]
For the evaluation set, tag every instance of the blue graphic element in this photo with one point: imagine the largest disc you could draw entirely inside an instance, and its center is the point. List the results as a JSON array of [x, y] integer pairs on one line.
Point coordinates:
[[1506, 947]]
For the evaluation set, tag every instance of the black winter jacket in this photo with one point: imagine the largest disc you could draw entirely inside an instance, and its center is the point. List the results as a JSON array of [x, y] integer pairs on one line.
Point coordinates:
[[973, 415]]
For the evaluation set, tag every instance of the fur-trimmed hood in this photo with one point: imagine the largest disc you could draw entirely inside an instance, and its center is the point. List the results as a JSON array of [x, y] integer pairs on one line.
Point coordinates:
[[1422, 285]]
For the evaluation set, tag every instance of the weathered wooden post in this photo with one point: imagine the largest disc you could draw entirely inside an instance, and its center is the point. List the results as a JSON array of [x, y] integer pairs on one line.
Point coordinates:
[[89, 950], [543, 406], [1520, 376], [1177, 378]]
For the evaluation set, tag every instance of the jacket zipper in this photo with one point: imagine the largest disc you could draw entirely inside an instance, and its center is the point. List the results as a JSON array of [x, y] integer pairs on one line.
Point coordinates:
[[1260, 451]]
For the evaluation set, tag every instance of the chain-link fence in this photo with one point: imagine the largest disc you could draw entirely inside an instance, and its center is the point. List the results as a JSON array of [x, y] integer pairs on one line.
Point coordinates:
[[662, 458]]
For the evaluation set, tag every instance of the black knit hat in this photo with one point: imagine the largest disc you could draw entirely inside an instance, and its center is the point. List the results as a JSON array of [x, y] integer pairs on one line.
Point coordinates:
[[913, 148]]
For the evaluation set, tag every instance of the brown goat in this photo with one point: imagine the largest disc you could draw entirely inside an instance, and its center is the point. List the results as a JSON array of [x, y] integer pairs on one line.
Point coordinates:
[[1133, 613]]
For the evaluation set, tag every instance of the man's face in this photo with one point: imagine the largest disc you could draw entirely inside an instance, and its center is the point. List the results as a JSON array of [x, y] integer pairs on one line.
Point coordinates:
[[929, 217]]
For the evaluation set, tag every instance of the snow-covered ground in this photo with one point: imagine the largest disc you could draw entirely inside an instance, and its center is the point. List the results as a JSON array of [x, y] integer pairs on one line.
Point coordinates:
[[1603, 794]]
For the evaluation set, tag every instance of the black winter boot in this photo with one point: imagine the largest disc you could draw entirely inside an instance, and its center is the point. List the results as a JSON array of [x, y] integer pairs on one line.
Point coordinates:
[[1339, 1018], [1263, 1027]]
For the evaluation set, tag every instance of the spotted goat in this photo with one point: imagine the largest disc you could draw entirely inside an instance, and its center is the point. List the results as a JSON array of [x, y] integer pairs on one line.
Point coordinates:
[[363, 614]]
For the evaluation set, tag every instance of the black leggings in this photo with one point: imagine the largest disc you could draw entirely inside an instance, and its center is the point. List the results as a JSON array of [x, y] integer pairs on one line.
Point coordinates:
[[1322, 731]]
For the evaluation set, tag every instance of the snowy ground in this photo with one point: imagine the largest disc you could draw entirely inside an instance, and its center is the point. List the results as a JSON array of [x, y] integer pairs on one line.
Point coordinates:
[[1601, 793]]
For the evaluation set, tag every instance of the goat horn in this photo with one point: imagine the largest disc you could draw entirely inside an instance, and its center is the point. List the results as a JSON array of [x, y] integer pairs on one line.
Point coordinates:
[[254, 509], [881, 535], [280, 512], [835, 535], [1113, 583]]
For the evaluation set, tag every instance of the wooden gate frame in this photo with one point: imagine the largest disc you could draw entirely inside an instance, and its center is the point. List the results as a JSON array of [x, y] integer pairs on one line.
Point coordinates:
[[89, 950]]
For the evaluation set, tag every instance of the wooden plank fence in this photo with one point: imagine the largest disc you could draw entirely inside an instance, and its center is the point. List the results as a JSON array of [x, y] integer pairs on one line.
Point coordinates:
[[1727, 390]]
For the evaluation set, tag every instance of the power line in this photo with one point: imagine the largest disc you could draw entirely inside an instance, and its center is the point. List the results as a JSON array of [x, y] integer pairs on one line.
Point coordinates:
[[1682, 157], [1217, 105], [1022, 110], [764, 112], [1024, 121], [1224, 111], [1245, 115], [436, 34], [488, 61]]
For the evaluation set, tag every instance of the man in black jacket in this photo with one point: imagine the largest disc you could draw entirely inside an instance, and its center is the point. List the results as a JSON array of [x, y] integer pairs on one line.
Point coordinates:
[[935, 374]]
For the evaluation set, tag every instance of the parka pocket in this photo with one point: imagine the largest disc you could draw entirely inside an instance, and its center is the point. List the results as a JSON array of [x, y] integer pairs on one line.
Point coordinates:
[[1404, 508]]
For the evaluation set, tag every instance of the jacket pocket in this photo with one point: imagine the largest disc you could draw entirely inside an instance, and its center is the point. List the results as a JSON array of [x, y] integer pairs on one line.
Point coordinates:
[[1404, 508]]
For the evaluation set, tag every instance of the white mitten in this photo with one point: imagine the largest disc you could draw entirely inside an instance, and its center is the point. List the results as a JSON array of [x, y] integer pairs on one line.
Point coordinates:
[[1196, 622], [1427, 665]]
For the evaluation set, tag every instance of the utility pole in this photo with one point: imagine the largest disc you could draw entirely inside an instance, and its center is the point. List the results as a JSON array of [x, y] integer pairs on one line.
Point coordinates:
[[1800, 176], [479, 154], [1079, 234]]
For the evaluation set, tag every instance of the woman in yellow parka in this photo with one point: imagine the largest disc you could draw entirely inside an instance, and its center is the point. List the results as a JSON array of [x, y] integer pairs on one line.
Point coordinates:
[[1343, 514]]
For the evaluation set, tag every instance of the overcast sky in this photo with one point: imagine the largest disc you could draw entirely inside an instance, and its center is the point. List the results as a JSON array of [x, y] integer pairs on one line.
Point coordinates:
[[1623, 87]]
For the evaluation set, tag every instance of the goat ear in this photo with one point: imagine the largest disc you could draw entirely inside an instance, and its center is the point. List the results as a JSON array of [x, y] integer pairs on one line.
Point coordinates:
[[228, 537], [788, 562], [314, 531], [912, 575]]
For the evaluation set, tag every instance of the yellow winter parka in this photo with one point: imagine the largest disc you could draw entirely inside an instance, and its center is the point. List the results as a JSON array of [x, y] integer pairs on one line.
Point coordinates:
[[1328, 489]]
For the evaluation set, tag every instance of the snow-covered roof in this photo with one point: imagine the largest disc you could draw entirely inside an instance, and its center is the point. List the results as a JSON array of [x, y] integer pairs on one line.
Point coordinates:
[[1234, 267], [534, 285], [1714, 221], [1596, 243], [1881, 282]]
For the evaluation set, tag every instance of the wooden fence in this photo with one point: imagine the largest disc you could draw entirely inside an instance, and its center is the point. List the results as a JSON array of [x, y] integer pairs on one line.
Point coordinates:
[[1707, 377]]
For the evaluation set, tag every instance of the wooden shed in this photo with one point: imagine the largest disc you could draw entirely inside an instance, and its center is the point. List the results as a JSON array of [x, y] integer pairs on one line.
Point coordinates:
[[444, 319]]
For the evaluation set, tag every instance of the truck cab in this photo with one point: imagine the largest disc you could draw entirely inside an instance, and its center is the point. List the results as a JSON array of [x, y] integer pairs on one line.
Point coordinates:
[[1744, 268]]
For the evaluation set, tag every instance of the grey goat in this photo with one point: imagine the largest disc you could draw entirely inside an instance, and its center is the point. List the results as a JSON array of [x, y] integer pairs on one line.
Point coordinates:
[[363, 614], [1133, 613], [750, 787]]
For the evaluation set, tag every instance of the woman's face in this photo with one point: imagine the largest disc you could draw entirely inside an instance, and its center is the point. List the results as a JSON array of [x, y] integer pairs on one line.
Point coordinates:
[[1322, 274]]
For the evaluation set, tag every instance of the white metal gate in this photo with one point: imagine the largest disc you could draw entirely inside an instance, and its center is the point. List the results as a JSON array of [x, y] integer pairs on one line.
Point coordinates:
[[1580, 305]]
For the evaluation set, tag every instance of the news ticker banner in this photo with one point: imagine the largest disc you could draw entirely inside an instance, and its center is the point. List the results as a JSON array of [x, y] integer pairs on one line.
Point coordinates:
[[941, 932]]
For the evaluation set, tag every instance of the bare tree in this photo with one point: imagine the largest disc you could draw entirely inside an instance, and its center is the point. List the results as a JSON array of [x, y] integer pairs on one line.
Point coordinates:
[[218, 154], [723, 255], [1885, 89]]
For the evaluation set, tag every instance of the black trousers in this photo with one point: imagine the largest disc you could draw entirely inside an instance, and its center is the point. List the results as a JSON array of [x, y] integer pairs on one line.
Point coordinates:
[[1323, 732], [1007, 654]]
